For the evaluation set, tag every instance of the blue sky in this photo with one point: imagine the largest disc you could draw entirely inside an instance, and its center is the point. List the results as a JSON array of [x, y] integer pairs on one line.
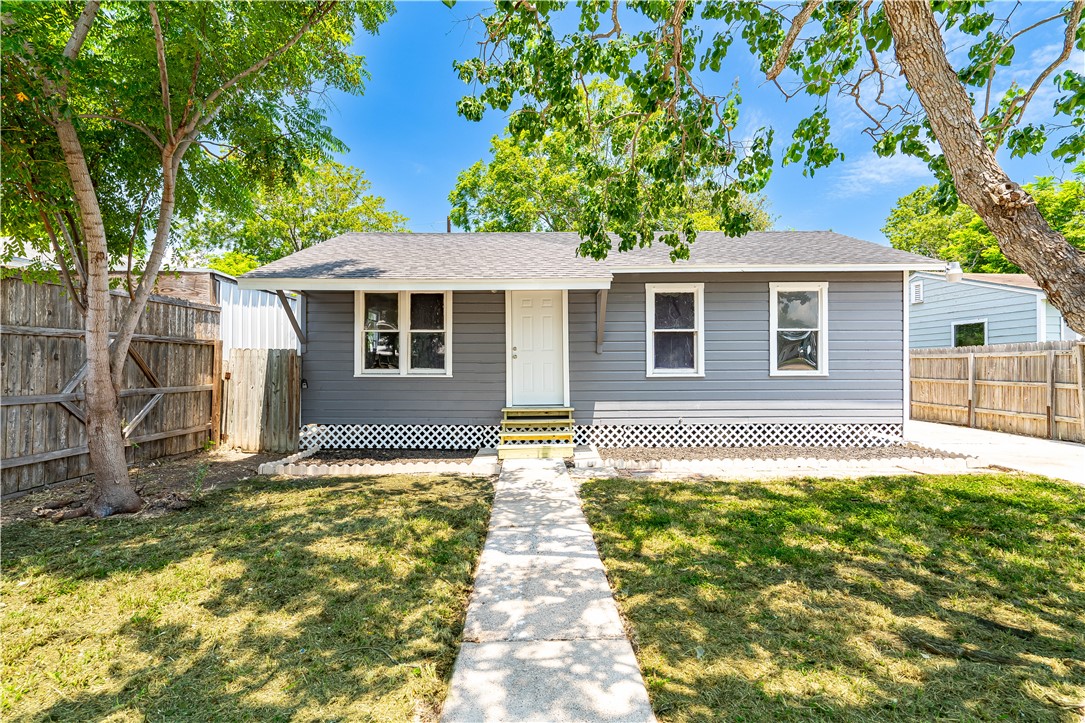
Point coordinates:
[[405, 134]]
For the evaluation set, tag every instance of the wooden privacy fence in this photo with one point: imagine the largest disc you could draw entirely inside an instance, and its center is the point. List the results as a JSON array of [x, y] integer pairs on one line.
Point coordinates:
[[1035, 389], [168, 399], [261, 400]]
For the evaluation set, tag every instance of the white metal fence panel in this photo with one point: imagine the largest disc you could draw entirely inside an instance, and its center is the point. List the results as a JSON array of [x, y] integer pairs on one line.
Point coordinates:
[[253, 319]]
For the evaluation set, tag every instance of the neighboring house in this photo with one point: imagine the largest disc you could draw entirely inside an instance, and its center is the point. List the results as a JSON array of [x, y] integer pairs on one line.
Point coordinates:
[[250, 319], [981, 309], [440, 340]]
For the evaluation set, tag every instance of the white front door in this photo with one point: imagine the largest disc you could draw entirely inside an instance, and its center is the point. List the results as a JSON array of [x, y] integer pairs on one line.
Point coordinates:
[[537, 354]]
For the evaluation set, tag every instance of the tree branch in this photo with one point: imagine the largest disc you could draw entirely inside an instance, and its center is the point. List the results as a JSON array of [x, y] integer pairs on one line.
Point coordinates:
[[1001, 50], [1018, 105], [197, 122], [807, 10], [138, 126], [163, 73], [81, 30]]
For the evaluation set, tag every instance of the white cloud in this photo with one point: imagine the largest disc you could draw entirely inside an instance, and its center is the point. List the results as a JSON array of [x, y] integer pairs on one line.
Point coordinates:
[[871, 173]]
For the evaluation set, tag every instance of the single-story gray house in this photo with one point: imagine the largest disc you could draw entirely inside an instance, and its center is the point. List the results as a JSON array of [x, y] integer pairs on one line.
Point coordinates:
[[981, 309], [450, 340]]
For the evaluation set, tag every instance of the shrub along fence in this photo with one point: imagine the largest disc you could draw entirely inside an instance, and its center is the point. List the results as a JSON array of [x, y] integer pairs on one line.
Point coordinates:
[[1035, 389], [169, 400]]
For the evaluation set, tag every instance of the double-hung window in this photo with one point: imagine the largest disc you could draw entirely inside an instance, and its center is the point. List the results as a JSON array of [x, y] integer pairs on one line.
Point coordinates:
[[403, 332], [675, 324], [798, 337]]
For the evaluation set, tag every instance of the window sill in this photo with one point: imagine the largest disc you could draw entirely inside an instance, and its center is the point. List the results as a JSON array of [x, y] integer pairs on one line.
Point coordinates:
[[674, 375], [399, 375], [798, 374]]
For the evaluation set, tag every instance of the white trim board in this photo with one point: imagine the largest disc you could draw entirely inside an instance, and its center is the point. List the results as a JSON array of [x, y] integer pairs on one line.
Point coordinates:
[[650, 290], [566, 394], [984, 284], [822, 287], [298, 284], [553, 284], [953, 330]]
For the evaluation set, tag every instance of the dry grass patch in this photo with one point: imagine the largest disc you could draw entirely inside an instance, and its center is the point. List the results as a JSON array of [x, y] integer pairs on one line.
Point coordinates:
[[303, 600], [885, 598]]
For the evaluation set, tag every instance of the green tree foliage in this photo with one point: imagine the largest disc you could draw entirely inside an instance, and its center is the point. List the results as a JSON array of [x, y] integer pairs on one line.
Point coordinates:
[[919, 224], [540, 185], [889, 58], [234, 263], [326, 199], [121, 116]]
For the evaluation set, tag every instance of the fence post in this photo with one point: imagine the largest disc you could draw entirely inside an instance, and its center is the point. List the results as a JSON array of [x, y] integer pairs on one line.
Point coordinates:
[[1080, 357], [216, 394], [971, 389], [1052, 427]]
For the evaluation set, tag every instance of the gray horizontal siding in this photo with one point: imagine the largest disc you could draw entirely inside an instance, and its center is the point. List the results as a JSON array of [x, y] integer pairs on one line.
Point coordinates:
[[1010, 315], [473, 395], [864, 382], [865, 356]]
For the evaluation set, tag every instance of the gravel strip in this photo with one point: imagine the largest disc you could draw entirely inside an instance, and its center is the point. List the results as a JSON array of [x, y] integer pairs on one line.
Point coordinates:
[[768, 453], [378, 456]]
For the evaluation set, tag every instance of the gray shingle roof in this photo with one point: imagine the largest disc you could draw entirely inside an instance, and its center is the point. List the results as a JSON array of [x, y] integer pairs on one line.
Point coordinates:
[[440, 256]]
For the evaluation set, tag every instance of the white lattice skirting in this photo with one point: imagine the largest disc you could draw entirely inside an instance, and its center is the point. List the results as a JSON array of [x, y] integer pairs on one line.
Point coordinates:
[[478, 436]]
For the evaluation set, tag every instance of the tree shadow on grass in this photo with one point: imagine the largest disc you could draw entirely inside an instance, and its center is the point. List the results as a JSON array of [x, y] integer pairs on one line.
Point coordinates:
[[325, 599], [803, 600]]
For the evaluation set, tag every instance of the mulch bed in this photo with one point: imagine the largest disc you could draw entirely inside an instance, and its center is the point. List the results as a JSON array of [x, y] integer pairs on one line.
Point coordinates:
[[161, 482], [769, 453], [378, 456]]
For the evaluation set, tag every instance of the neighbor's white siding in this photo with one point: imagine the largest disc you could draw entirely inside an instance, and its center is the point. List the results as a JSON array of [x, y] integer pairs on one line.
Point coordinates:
[[253, 319]]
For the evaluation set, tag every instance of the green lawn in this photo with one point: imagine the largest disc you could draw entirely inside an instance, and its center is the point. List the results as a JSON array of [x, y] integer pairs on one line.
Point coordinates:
[[830, 599], [301, 600]]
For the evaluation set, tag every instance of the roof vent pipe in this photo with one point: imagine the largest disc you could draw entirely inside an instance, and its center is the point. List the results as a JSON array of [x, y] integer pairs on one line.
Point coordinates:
[[953, 272]]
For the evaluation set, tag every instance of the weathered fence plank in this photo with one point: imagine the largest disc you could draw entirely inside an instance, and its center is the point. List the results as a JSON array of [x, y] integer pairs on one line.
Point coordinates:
[[1032, 389], [43, 367], [262, 400]]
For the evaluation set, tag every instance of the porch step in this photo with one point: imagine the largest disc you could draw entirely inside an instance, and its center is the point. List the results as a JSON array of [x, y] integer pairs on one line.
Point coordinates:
[[535, 451], [536, 432], [564, 436], [537, 412], [536, 423]]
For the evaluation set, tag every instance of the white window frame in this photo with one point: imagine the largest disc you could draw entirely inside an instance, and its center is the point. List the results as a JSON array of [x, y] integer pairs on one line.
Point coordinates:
[[953, 330], [404, 330], [916, 292], [822, 287], [650, 291]]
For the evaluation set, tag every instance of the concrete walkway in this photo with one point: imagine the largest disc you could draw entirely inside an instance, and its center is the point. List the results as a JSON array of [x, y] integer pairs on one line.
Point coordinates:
[[1065, 460], [543, 640]]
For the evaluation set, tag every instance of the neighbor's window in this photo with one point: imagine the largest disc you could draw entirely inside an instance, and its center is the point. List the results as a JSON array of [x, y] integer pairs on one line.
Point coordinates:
[[797, 315], [972, 333], [675, 325], [403, 332]]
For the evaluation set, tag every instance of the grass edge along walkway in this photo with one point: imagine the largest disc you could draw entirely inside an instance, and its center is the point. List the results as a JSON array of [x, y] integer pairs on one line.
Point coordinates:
[[816, 599], [310, 599]]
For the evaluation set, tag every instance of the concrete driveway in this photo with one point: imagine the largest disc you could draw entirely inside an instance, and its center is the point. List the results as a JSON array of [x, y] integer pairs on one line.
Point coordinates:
[[1065, 460]]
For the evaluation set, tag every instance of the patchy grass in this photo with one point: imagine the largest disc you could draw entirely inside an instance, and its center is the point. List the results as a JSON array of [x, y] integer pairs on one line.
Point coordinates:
[[303, 600], [814, 599]]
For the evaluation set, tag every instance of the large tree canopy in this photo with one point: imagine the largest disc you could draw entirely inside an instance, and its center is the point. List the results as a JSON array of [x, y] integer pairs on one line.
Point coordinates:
[[918, 224], [325, 200], [119, 116], [538, 184], [684, 129]]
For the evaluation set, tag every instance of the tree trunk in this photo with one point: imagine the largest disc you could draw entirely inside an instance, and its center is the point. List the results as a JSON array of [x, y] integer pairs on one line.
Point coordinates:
[[113, 491], [1022, 233]]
